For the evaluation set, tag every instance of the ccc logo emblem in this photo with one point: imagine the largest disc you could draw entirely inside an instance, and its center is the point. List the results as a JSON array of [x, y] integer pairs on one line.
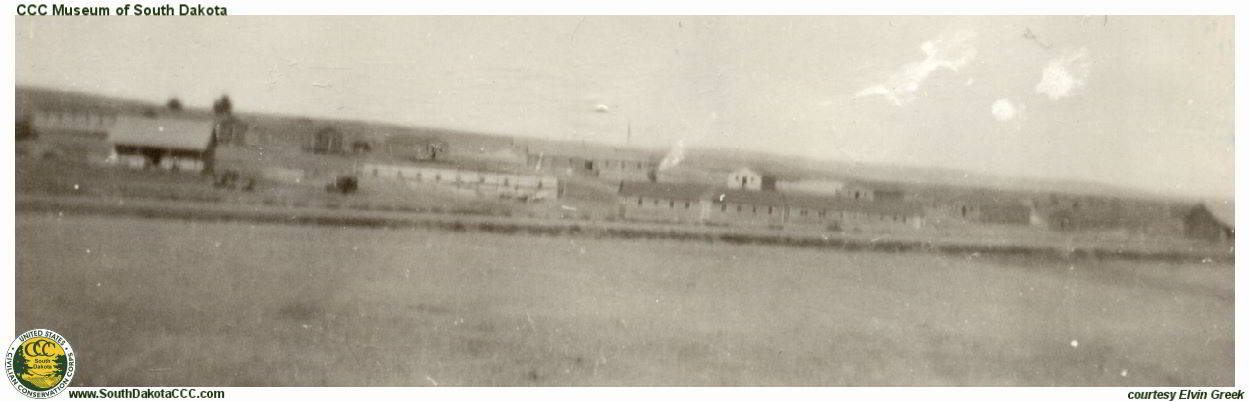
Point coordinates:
[[40, 363], [41, 347]]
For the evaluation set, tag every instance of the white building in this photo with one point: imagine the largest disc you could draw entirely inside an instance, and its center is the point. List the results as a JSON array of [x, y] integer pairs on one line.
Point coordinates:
[[166, 143], [747, 179]]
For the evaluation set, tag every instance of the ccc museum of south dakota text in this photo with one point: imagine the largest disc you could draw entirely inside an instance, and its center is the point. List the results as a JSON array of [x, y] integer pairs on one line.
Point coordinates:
[[123, 10]]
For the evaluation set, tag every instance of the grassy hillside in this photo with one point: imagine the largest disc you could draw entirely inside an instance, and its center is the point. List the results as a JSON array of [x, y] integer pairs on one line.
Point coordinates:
[[30, 99]]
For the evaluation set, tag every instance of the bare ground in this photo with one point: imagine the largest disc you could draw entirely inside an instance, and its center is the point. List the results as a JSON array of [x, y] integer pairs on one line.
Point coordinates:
[[168, 302]]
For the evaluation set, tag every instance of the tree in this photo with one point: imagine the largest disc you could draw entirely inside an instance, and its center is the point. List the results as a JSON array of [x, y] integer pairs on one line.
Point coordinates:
[[222, 105], [174, 104]]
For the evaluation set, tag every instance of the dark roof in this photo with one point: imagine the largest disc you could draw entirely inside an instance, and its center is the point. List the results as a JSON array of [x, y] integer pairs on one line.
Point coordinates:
[[670, 191], [162, 132]]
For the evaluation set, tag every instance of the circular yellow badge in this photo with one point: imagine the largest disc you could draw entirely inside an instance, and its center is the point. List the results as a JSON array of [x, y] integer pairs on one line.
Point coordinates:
[[39, 363]]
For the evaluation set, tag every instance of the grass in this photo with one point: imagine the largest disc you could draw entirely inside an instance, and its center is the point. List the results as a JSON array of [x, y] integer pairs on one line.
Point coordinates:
[[244, 304]]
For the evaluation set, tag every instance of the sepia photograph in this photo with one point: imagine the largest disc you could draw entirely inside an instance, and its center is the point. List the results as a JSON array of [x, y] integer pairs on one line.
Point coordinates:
[[623, 201]]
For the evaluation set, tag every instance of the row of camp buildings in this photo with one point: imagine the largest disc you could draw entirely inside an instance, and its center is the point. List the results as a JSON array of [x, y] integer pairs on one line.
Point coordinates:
[[749, 196], [743, 197], [207, 145], [699, 203], [725, 205]]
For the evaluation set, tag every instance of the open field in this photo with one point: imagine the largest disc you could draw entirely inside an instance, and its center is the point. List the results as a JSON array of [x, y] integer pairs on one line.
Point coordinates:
[[178, 302]]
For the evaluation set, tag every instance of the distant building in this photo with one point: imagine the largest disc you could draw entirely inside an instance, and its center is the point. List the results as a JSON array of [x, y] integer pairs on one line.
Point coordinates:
[[989, 211], [1210, 223], [621, 168], [870, 192], [1073, 213], [416, 148], [599, 162], [688, 202], [667, 202], [327, 140], [750, 206], [957, 206], [747, 179], [765, 207], [166, 143], [469, 182]]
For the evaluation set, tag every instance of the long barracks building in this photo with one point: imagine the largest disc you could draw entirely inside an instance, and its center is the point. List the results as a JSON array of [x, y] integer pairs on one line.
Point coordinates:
[[694, 203]]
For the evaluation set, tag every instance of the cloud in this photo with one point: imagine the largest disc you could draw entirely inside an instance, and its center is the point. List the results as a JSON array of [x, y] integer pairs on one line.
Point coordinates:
[[1003, 110], [1065, 74], [950, 52]]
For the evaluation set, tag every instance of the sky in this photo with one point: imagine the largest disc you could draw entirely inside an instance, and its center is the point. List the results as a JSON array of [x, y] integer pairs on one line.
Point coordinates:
[[1144, 102]]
